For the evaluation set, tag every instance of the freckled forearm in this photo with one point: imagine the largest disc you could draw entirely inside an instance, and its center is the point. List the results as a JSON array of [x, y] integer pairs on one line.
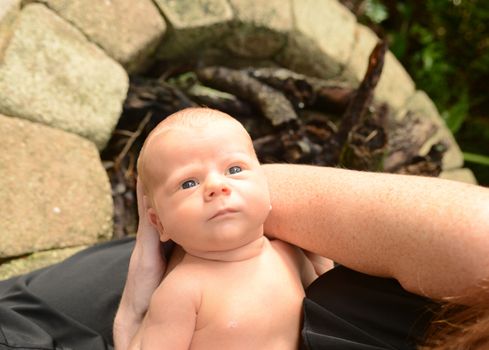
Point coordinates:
[[415, 229]]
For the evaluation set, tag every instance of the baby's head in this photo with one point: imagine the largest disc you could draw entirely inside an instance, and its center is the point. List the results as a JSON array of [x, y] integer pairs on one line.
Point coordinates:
[[205, 187]]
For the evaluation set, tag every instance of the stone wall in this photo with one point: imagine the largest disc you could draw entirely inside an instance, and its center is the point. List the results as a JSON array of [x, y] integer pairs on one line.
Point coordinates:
[[64, 68]]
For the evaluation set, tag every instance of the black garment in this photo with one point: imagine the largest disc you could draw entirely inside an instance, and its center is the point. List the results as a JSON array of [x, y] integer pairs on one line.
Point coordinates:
[[345, 309], [71, 305]]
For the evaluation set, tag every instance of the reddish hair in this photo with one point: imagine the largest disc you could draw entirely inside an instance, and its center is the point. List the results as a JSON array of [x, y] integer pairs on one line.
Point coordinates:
[[461, 327]]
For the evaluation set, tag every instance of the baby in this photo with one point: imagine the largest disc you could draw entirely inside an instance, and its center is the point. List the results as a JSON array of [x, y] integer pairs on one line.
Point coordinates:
[[229, 287]]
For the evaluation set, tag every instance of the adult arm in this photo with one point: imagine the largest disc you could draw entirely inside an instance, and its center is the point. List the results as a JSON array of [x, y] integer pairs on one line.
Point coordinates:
[[146, 268], [432, 235]]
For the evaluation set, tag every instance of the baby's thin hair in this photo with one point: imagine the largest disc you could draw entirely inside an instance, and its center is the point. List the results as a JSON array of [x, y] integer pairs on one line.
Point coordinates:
[[194, 117]]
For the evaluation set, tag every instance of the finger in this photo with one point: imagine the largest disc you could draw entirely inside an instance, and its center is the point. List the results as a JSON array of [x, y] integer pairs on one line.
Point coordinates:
[[145, 203], [139, 188], [140, 199]]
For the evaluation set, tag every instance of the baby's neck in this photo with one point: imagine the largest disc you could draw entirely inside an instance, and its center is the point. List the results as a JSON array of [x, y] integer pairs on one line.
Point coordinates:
[[246, 252]]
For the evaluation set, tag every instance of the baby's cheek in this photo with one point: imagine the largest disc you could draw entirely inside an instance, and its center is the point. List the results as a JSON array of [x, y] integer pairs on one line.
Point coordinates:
[[261, 206]]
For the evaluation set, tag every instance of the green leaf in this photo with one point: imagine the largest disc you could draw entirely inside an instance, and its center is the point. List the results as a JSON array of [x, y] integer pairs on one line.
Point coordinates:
[[398, 44], [375, 11], [456, 114], [476, 158]]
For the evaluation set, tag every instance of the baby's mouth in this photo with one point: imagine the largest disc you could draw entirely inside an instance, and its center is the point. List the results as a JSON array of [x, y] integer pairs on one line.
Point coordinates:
[[223, 212]]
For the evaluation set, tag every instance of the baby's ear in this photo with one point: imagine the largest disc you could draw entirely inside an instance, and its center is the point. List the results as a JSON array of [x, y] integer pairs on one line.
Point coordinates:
[[156, 222]]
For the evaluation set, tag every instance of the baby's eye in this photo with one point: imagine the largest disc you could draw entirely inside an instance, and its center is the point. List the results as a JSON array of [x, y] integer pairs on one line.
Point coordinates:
[[188, 184], [234, 170]]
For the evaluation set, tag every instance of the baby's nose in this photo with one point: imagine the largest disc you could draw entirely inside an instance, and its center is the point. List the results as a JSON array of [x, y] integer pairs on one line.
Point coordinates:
[[216, 186]]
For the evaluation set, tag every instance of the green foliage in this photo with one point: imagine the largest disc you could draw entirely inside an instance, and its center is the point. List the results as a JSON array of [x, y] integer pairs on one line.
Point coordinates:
[[456, 114], [476, 158], [375, 11], [444, 45]]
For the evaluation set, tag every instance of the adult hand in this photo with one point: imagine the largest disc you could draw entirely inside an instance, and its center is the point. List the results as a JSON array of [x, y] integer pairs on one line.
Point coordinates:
[[146, 269]]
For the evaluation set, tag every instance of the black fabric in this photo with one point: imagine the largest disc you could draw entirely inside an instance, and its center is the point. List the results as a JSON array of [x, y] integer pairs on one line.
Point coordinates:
[[71, 305], [345, 309]]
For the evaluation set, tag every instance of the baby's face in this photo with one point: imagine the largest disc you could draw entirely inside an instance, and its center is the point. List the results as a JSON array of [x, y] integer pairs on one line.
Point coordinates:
[[209, 191]]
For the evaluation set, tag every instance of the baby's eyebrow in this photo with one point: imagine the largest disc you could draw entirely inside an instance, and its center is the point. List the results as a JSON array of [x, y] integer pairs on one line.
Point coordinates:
[[239, 155], [182, 173]]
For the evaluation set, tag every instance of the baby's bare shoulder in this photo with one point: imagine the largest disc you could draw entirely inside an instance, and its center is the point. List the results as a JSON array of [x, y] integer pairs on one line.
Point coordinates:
[[293, 255], [177, 281], [297, 259], [287, 249], [174, 294]]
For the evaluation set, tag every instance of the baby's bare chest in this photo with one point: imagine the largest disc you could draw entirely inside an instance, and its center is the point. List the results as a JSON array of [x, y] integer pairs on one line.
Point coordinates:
[[262, 298]]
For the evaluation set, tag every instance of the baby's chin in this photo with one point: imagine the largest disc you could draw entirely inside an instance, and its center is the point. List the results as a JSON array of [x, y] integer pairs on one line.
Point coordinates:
[[230, 235]]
